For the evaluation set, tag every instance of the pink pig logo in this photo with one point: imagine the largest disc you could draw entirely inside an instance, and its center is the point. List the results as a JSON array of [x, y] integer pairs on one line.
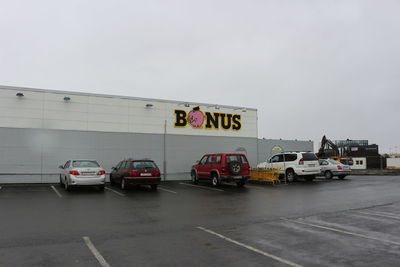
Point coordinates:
[[196, 117]]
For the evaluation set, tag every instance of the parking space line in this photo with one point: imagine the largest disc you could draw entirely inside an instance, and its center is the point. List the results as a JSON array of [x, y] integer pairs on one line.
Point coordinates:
[[203, 187], [95, 252], [342, 231], [114, 191], [56, 191], [250, 247], [167, 190], [379, 215]]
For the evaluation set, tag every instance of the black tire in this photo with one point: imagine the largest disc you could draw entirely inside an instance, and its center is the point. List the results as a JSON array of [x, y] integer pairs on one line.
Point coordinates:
[[290, 175], [215, 180], [240, 183], [154, 187], [112, 182], [66, 186], [235, 167], [310, 178], [341, 177], [328, 175], [194, 177], [124, 186]]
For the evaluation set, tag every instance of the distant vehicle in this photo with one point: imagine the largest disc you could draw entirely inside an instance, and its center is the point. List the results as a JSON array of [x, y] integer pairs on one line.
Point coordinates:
[[294, 165], [135, 172], [82, 172], [331, 168], [222, 167], [347, 161]]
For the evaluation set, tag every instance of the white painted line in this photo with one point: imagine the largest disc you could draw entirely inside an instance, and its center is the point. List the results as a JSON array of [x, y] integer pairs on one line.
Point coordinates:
[[167, 190], [203, 187], [95, 252], [342, 231], [250, 248], [379, 215], [114, 191], [55, 190]]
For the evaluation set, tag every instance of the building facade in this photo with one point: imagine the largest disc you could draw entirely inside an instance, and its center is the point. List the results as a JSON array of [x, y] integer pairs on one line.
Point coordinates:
[[41, 129]]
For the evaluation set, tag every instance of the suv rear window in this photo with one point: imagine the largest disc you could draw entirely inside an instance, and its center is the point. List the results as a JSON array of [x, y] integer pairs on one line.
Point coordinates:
[[309, 156], [85, 164], [143, 165]]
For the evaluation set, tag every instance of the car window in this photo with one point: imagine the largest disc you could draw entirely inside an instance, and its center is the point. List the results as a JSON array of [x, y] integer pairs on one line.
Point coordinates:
[[124, 165], [231, 158], [203, 160], [143, 165], [323, 162], [332, 161], [274, 159], [67, 164], [118, 165], [244, 159], [309, 156], [85, 164], [218, 159], [211, 159], [290, 157]]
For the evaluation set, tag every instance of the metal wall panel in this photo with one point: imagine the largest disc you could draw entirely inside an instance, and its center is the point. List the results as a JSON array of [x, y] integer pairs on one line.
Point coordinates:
[[35, 154]]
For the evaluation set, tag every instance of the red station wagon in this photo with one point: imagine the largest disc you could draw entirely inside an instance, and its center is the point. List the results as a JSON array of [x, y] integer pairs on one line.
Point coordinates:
[[228, 167], [135, 172]]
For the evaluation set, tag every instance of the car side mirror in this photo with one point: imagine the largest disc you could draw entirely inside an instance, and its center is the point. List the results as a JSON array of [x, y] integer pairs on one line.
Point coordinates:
[[61, 167]]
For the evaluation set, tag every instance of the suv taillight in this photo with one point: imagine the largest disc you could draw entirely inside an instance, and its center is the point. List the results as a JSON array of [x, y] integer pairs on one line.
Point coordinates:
[[301, 161], [73, 172], [339, 167], [101, 172]]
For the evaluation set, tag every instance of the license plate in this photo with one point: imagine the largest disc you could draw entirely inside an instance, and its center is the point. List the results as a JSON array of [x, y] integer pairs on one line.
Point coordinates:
[[311, 165], [145, 174]]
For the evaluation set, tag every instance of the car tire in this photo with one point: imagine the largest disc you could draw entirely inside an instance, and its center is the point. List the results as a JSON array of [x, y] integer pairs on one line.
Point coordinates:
[[235, 167], [112, 182], [341, 177], [154, 187], [194, 177], [290, 176], [328, 175], [240, 183], [310, 178], [215, 180], [124, 186], [66, 186]]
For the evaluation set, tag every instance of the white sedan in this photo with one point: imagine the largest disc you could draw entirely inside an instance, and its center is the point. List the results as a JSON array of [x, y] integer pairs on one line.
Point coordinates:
[[82, 172]]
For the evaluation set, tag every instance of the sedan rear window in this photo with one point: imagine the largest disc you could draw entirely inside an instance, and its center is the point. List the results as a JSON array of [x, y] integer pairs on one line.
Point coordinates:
[[143, 165], [309, 156], [85, 164]]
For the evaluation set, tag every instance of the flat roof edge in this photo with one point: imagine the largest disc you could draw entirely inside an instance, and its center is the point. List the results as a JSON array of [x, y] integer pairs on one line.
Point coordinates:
[[118, 96]]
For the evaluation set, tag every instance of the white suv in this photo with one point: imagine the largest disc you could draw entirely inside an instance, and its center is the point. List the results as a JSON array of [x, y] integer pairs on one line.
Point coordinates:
[[294, 164]]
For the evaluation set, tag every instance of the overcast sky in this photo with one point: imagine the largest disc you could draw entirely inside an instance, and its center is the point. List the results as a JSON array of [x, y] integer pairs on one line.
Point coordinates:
[[309, 67]]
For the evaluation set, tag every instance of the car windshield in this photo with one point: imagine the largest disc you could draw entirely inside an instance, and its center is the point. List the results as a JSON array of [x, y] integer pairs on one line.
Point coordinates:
[[309, 156], [143, 165], [85, 164]]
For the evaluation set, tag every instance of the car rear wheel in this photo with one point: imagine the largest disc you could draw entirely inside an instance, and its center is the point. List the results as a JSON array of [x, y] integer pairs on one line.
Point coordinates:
[[154, 187], [66, 186], [240, 183], [328, 175], [290, 176], [215, 180], [123, 184], [194, 177], [341, 177]]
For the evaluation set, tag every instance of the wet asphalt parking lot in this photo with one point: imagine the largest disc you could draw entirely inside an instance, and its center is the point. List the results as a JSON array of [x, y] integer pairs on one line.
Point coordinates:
[[354, 222]]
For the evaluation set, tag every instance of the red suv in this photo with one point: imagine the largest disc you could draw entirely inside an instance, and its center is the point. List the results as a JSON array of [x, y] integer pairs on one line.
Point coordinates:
[[135, 172], [227, 167]]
